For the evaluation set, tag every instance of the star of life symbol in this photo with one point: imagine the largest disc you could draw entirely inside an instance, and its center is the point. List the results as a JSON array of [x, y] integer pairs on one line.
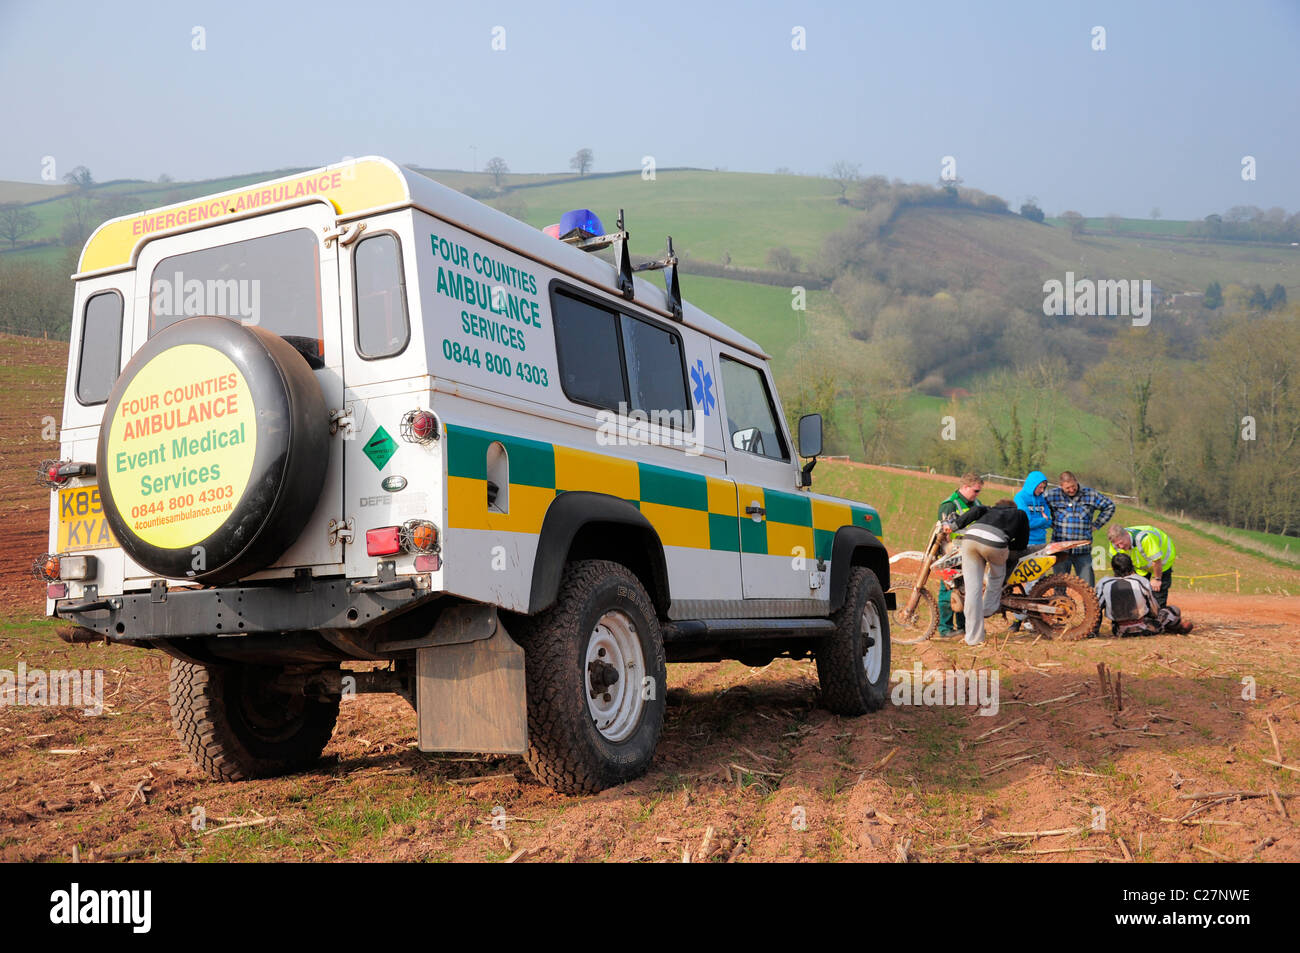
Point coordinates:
[[703, 382]]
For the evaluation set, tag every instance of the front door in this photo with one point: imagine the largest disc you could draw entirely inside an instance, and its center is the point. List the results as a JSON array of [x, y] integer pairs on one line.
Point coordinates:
[[776, 539]]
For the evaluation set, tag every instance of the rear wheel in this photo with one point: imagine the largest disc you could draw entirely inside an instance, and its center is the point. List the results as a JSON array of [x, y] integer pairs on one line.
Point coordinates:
[[853, 663], [236, 726], [1078, 612], [597, 678], [918, 625]]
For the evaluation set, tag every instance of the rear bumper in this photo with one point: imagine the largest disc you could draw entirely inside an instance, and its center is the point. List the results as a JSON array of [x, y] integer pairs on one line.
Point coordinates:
[[279, 606]]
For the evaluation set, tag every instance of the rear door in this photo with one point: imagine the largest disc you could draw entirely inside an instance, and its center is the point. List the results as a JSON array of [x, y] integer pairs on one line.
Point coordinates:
[[274, 271]]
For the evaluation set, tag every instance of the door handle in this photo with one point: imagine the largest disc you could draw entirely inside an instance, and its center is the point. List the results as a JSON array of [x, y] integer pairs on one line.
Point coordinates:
[[755, 511]]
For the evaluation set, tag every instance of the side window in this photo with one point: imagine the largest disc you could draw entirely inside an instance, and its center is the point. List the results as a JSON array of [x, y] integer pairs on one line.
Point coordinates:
[[586, 342], [101, 347], [383, 328], [610, 360], [654, 373], [751, 416]]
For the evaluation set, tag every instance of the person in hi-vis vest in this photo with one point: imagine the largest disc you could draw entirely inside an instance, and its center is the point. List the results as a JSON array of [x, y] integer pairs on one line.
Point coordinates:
[[1152, 552], [963, 498]]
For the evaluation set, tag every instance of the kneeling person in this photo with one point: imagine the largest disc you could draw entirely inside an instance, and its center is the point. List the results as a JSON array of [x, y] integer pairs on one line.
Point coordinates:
[[1152, 553]]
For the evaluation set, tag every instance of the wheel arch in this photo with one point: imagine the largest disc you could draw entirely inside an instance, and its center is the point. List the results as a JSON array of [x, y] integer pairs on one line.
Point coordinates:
[[583, 525], [855, 546]]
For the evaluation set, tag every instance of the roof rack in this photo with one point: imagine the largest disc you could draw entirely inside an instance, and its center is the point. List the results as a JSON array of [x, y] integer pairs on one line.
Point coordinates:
[[623, 263]]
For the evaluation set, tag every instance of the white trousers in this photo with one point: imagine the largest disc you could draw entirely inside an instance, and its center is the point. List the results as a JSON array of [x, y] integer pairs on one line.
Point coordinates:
[[984, 567]]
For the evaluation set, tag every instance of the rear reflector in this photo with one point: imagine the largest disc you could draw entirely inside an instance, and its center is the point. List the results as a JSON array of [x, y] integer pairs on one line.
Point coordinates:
[[56, 590], [384, 541], [430, 563]]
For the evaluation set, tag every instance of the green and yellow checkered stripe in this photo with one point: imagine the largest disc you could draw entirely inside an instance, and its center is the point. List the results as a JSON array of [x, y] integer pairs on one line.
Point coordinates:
[[686, 509]]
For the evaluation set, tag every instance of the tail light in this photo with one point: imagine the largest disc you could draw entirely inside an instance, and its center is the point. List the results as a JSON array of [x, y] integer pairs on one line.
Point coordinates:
[[53, 567], [414, 536], [419, 426], [56, 473], [384, 541], [46, 567], [419, 536]]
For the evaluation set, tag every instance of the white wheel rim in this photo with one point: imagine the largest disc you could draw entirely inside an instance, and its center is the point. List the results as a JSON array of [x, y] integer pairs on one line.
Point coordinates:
[[873, 656], [615, 704]]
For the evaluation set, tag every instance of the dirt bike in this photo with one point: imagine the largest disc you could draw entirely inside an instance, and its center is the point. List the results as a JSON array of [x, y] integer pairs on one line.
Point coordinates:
[[1053, 604]]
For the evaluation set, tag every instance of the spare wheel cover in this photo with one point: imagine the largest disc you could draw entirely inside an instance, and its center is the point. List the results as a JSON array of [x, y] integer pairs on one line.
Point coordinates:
[[212, 451]]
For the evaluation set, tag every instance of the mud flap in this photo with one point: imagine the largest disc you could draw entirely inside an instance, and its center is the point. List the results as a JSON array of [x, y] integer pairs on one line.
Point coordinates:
[[470, 691]]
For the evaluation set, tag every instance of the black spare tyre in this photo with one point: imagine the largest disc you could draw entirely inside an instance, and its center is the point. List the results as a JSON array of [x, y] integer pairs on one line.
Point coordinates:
[[213, 450]]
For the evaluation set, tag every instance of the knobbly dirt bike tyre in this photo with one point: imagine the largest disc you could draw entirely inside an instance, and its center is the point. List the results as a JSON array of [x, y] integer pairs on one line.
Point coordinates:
[[925, 619], [1061, 589]]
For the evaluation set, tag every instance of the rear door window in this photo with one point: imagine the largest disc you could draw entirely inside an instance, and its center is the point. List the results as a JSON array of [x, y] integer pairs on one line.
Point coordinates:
[[272, 281]]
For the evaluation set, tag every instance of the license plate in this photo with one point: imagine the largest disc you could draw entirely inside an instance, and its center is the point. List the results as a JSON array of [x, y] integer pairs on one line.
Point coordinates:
[[81, 520]]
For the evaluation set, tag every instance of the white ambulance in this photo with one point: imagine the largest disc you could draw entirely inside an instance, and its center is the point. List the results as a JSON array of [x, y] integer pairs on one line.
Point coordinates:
[[353, 415]]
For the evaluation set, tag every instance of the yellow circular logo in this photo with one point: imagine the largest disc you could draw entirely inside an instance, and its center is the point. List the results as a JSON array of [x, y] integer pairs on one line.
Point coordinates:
[[180, 447]]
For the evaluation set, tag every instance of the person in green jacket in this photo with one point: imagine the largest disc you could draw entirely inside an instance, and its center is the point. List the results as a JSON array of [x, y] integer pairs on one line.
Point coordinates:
[[963, 498], [1152, 552]]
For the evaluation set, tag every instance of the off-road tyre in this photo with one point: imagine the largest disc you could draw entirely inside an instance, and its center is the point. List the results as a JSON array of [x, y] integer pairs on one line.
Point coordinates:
[[1086, 619], [235, 729], [853, 683], [925, 619], [566, 750]]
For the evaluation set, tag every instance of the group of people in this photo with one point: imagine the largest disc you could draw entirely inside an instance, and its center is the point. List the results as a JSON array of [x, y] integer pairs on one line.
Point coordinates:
[[1135, 599]]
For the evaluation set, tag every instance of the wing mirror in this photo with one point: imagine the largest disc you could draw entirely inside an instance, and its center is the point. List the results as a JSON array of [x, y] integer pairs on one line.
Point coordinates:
[[810, 445]]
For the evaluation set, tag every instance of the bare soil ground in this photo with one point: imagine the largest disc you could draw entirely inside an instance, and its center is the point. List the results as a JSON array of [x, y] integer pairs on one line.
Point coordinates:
[[746, 755], [749, 767]]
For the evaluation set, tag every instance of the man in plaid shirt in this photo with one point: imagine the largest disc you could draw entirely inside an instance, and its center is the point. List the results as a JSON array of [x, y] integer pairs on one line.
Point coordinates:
[[1076, 512]]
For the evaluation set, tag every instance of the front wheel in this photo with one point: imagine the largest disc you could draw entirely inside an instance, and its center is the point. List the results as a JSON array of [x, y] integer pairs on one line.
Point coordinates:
[[853, 662], [597, 677], [1078, 612], [909, 628]]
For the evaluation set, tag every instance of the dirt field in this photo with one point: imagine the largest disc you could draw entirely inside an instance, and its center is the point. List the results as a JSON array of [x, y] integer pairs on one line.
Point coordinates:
[[749, 769], [746, 755]]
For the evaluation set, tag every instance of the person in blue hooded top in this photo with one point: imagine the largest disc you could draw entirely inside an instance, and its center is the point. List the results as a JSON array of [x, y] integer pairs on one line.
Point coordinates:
[[1030, 500]]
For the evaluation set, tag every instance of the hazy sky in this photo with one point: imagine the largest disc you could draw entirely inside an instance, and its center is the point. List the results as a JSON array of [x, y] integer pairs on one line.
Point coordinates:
[[1013, 90]]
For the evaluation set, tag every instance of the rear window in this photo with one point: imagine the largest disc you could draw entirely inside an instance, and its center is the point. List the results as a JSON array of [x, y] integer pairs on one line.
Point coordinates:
[[618, 362], [101, 347], [272, 281], [586, 339], [382, 326]]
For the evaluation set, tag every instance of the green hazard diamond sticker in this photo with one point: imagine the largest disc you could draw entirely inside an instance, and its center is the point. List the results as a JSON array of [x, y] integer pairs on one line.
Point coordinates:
[[380, 448]]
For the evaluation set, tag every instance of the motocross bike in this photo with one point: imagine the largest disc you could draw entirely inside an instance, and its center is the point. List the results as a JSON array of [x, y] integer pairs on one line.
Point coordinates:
[[1056, 605]]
